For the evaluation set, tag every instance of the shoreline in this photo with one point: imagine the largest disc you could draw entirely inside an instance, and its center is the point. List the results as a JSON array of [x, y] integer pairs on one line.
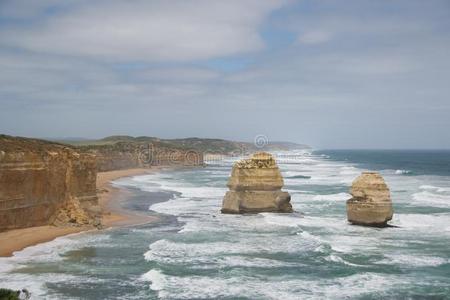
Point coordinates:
[[113, 215], [110, 199]]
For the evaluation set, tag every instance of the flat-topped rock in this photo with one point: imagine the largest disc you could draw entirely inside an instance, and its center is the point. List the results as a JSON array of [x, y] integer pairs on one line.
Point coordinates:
[[255, 186], [371, 203]]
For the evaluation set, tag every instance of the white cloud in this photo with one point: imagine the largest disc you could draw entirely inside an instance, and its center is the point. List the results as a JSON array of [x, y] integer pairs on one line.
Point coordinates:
[[141, 30], [364, 69]]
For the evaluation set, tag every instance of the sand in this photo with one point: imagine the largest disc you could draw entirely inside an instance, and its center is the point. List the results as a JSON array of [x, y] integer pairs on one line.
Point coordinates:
[[109, 200]]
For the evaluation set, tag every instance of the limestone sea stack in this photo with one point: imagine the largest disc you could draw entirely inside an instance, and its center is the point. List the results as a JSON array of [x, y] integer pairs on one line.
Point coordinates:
[[371, 203], [255, 186]]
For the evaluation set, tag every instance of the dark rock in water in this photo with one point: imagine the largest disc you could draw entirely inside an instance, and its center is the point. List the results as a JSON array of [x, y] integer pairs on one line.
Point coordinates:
[[371, 203], [255, 186]]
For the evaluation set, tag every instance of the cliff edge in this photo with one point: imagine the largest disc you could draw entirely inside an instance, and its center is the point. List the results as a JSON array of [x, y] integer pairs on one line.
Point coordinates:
[[43, 183]]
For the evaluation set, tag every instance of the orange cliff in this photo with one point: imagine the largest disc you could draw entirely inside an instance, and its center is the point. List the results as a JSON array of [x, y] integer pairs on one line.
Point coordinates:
[[47, 183], [42, 183]]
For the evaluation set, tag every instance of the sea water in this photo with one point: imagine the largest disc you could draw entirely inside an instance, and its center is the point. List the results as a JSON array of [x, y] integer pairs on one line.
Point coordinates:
[[194, 252]]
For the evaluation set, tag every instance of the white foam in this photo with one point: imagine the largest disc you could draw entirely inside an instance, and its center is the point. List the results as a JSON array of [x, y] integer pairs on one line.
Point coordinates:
[[282, 219], [337, 259], [280, 287], [349, 171], [414, 260], [212, 252], [435, 188], [157, 279], [332, 197], [427, 198], [184, 206], [431, 224], [402, 172], [41, 253]]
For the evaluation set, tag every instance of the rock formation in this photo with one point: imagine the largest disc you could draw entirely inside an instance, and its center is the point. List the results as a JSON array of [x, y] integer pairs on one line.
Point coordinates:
[[255, 186], [40, 182], [371, 202]]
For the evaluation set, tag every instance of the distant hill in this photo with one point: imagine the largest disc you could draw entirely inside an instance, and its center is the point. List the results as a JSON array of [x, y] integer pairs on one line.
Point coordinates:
[[204, 145]]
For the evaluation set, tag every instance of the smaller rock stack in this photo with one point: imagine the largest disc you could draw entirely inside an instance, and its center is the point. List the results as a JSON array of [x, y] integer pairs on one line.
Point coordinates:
[[371, 203], [255, 186]]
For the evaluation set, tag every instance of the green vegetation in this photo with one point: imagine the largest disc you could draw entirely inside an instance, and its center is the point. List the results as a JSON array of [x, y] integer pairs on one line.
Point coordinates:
[[7, 294], [203, 145]]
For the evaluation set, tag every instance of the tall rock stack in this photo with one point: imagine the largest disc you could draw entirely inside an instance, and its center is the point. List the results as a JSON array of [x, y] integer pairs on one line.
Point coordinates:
[[255, 186], [371, 203]]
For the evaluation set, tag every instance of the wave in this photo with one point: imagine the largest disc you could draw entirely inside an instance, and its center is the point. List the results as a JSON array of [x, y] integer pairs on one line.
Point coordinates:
[[332, 197], [414, 260], [337, 259], [427, 198], [429, 224], [156, 278], [256, 287], [189, 253], [403, 172], [49, 252], [435, 188], [281, 220]]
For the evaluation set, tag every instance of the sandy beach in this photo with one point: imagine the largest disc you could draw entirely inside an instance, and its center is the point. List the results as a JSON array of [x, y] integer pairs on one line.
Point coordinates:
[[109, 199]]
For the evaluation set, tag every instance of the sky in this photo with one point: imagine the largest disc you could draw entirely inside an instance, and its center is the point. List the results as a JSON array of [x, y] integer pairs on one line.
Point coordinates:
[[328, 73]]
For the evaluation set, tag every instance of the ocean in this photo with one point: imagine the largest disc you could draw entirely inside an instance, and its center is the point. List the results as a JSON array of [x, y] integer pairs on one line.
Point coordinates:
[[194, 252]]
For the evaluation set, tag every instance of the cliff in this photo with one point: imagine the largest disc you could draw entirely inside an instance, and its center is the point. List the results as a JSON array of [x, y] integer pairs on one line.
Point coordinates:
[[43, 182], [200, 145], [125, 155], [255, 186]]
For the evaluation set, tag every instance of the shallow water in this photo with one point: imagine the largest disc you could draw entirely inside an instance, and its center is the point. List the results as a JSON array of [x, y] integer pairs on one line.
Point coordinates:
[[197, 253]]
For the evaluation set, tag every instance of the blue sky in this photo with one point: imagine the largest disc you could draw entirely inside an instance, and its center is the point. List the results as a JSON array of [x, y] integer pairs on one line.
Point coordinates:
[[333, 74]]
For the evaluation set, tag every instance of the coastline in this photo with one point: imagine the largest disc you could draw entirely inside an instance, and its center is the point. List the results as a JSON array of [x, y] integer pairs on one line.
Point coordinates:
[[110, 198], [113, 215]]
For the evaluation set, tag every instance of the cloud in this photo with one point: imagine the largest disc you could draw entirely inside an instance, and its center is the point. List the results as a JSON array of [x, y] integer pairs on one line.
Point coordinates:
[[314, 37], [141, 30], [175, 74], [361, 74], [24, 9]]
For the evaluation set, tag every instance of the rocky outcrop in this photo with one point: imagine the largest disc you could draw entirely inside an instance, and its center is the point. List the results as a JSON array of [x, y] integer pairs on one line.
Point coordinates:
[[371, 203], [255, 186], [40, 182]]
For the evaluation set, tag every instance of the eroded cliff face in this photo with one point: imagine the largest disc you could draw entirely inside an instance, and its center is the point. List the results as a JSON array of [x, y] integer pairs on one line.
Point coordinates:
[[255, 186], [45, 183], [42, 183], [124, 155], [371, 203]]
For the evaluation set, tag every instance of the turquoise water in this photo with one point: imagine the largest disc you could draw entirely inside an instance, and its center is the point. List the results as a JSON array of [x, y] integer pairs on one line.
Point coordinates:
[[195, 252], [408, 162]]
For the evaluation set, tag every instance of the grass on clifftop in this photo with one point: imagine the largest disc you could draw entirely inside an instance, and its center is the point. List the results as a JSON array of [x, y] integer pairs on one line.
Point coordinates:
[[204, 145]]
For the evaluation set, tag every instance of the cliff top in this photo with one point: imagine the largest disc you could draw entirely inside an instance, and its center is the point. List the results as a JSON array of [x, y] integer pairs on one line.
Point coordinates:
[[13, 143], [260, 160], [204, 145]]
